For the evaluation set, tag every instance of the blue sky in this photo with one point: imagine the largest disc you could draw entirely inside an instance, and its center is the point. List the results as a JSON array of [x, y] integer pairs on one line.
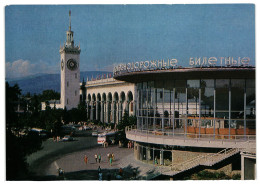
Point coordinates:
[[110, 34]]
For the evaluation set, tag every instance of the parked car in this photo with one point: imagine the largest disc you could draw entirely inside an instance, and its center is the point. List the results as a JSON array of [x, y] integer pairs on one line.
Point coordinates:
[[87, 128], [67, 138], [68, 129], [95, 133], [41, 132]]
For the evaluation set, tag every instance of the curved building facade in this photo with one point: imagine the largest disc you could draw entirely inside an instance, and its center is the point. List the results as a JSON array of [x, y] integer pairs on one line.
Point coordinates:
[[107, 99], [185, 113]]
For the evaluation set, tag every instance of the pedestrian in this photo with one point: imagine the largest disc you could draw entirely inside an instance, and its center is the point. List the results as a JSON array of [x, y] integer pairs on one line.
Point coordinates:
[[85, 159], [96, 157], [100, 176], [60, 172], [155, 161], [121, 171], [128, 144], [110, 161], [99, 169], [113, 157], [108, 156], [134, 174], [99, 158]]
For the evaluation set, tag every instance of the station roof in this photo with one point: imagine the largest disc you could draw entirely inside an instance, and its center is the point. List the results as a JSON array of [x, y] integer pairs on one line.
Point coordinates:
[[188, 73]]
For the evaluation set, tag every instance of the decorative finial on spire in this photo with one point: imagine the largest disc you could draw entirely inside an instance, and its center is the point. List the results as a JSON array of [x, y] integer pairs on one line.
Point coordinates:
[[70, 20]]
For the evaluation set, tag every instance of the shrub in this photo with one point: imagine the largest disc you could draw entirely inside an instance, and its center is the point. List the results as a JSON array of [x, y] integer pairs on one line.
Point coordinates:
[[236, 177]]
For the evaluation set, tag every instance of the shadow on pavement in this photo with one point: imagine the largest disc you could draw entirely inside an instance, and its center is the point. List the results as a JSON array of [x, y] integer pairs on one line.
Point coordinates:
[[129, 173]]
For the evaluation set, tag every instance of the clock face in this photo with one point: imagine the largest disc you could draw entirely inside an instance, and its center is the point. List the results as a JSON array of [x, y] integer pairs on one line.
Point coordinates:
[[62, 65], [72, 64]]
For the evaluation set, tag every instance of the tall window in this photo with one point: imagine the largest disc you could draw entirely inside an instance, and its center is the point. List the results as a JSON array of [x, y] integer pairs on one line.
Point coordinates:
[[237, 103], [250, 106], [222, 101], [207, 97]]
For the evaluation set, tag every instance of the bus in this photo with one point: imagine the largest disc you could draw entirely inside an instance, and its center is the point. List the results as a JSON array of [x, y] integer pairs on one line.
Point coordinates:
[[109, 137], [41, 132]]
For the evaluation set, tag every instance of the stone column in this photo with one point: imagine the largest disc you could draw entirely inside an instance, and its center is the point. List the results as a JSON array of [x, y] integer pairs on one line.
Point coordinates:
[[127, 107], [117, 112], [120, 110], [97, 117], [123, 108], [148, 153], [87, 110], [134, 108], [92, 110], [136, 151], [161, 157], [113, 111], [108, 113], [102, 112]]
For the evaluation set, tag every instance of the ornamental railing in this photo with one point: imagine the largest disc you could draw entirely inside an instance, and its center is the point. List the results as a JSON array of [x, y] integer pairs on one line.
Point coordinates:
[[190, 135], [205, 160]]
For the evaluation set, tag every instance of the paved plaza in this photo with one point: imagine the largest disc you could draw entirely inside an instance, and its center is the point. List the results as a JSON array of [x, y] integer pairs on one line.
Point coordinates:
[[70, 157], [76, 169]]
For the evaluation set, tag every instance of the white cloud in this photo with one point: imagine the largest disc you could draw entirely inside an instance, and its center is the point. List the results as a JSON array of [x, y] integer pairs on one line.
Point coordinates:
[[22, 68]]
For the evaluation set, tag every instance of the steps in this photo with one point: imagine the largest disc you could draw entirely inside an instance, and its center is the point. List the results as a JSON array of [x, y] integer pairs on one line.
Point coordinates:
[[204, 160]]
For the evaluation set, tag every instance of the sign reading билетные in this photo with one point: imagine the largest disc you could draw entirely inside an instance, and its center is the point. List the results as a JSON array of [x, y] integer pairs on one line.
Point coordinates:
[[173, 63]]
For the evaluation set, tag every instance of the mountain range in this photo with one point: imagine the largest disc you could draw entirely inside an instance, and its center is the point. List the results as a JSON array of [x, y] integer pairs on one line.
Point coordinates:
[[35, 84]]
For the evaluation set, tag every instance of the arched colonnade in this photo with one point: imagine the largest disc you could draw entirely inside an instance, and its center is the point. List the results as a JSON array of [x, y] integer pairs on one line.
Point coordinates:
[[109, 107]]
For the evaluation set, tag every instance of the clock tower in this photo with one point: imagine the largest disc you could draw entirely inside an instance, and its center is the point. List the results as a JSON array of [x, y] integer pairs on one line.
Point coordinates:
[[70, 73]]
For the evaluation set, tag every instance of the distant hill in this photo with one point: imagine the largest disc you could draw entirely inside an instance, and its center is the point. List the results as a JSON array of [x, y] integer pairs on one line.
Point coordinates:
[[40, 82]]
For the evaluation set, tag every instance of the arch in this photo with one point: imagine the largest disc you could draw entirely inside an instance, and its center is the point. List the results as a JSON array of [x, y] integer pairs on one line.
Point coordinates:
[[89, 97], [98, 97], [109, 97], [122, 96], [115, 97], [104, 97], [93, 97], [130, 96]]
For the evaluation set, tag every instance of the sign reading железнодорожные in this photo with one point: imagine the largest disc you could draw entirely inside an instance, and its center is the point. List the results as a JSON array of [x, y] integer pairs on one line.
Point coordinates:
[[173, 63]]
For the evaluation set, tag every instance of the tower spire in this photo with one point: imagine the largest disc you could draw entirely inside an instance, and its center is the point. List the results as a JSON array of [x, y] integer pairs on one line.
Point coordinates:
[[70, 20]]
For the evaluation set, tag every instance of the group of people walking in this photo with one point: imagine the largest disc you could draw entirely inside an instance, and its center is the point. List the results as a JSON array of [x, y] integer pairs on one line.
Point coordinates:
[[117, 175], [97, 158], [130, 144], [110, 158]]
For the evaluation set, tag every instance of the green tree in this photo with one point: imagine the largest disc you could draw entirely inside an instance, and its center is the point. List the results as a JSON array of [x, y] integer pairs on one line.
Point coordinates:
[[82, 108], [126, 121], [49, 95], [17, 147], [12, 98]]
